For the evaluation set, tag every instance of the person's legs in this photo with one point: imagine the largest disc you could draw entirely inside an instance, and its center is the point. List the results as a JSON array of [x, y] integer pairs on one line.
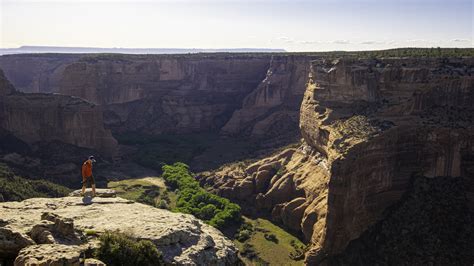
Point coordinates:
[[83, 186], [93, 185]]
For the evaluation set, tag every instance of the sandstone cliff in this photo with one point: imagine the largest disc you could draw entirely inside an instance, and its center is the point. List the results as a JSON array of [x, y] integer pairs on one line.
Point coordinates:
[[234, 94], [272, 109], [50, 117], [36, 72], [165, 94], [369, 126], [35, 228]]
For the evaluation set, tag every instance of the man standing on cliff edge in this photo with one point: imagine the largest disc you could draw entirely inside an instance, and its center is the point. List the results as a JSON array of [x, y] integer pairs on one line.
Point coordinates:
[[87, 175]]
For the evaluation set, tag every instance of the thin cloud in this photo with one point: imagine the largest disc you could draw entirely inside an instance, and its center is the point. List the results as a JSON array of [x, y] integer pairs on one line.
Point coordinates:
[[460, 40], [309, 42], [370, 42], [341, 42]]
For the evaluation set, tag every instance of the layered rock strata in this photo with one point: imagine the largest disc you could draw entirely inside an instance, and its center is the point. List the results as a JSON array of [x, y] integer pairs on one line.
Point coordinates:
[[43, 117], [36, 72], [234, 94], [273, 107], [37, 225], [369, 126]]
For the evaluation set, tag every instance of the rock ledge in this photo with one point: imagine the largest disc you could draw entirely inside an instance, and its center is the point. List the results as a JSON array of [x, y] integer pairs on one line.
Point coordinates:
[[39, 223]]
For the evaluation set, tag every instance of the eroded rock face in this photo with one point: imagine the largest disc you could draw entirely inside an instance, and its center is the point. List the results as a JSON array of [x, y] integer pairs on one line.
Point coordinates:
[[368, 127], [273, 107], [49, 254], [50, 117], [378, 123], [234, 94], [181, 238], [36, 72], [165, 94]]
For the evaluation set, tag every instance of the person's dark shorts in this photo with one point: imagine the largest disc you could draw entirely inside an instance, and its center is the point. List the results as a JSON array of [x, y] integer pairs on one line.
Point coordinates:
[[89, 179]]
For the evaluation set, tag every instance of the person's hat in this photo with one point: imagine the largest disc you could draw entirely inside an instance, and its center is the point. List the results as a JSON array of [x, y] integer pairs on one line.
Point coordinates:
[[92, 158]]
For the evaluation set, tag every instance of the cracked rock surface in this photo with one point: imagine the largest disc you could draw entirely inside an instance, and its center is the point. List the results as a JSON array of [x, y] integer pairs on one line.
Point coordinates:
[[181, 238]]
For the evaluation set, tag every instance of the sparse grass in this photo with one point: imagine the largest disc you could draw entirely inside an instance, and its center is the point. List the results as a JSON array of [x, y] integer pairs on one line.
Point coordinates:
[[90, 232], [270, 243], [144, 190]]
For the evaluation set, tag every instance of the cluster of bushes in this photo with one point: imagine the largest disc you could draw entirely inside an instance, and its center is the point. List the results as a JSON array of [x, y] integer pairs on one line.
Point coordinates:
[[248, 251], [120, 249], [244, 233], [217, 211], [15, 188], [298, 250]]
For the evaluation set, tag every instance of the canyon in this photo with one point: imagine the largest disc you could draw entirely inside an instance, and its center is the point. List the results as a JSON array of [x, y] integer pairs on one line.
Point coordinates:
[[35, 117], [369, 127], [235, 94]]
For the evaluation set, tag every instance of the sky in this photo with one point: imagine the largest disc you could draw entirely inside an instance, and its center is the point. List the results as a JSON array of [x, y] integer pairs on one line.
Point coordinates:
[[294, 25]]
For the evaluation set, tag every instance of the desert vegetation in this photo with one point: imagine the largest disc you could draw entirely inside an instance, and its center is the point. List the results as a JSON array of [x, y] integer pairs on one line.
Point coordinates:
[[263, 243], [17, 188], [193, 199], [118, 249]]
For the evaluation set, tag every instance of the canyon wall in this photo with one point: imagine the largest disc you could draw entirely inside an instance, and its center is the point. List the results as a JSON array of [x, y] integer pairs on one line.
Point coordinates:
[[35, 117], [273, 107], [36, 72], [165, 94], [231, 94], [369, 127]]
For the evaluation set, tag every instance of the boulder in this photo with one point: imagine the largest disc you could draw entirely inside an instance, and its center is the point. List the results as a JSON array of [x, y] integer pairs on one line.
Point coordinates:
[[262, 179], [49, 255]]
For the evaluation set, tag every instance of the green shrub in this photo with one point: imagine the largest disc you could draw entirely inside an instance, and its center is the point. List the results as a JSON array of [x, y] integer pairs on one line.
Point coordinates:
[[120, 249], [248, 251], [165, 196], [243, 235], [146, 199], [162, 204], [298, 252], [15, 188], [217, 211], [271, 237]]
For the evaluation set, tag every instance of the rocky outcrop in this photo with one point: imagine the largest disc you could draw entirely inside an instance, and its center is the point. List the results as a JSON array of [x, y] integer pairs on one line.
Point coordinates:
[[39, 224], [49, 254], [43, 117], [369, 126]]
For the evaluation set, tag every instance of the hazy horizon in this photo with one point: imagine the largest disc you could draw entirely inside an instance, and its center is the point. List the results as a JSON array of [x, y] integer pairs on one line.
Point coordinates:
[[295, 26]]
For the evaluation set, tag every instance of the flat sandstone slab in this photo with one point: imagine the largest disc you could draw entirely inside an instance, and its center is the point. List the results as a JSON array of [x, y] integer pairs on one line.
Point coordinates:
[[181, 238]]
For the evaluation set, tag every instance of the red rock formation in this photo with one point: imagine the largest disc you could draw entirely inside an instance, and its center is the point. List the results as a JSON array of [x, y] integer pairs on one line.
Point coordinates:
[[273, 107], [165, 94], [369, 126], [36, 72], [47, 117], [235, 94]]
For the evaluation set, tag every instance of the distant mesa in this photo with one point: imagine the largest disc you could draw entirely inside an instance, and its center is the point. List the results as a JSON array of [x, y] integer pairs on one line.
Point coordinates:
[[61, 49]]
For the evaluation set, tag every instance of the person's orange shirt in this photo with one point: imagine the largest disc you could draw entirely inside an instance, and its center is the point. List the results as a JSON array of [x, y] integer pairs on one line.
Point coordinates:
[[87, 168]]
